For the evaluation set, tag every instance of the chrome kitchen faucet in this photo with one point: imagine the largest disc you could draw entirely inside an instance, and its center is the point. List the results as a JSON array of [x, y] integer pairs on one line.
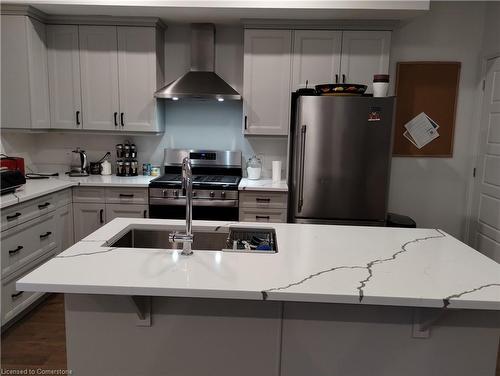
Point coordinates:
[[187, 184]]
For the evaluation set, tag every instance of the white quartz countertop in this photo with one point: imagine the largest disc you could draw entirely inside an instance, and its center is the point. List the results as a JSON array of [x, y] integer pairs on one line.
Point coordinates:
[[38, 187], [314, 263], [262, 185]]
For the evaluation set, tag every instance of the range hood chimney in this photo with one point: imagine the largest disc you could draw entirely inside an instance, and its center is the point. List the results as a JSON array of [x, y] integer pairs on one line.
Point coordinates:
[[201, 82]]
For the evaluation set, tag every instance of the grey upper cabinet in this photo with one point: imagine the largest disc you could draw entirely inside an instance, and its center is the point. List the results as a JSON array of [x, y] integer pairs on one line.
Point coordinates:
[[137, 77], [316, 57], [24, 83], [99, 77], [266, 81], [364, 53], [64, 77]]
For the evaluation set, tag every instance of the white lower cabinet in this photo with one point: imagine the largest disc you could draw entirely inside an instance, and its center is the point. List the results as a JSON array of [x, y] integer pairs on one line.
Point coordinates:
[[263, 206], [126, 211], [88, 217], [64, 229]]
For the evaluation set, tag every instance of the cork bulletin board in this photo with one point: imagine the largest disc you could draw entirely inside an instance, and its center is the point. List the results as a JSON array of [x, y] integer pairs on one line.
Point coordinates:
[[430, 87]]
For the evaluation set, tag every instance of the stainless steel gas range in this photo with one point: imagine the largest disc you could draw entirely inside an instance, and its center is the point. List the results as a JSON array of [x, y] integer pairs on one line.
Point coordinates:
[[216, 175]]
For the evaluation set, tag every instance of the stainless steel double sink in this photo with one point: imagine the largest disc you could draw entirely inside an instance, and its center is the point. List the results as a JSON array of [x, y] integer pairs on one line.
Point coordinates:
[[232, 239]]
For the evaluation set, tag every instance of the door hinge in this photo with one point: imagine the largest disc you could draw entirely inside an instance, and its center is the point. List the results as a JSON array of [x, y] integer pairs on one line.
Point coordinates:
[[484, 84], [474, 172]]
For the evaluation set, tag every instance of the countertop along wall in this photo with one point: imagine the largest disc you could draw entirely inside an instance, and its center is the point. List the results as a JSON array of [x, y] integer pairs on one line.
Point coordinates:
[[434, 191], [189, 124]]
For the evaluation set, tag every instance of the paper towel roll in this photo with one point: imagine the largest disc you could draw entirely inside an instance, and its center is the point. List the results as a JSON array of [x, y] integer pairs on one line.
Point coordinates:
[[276, 171]]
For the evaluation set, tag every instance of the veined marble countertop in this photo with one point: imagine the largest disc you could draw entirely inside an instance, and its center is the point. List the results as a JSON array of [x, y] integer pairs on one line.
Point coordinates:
[[262, 185], [38, 187], [315, 263]]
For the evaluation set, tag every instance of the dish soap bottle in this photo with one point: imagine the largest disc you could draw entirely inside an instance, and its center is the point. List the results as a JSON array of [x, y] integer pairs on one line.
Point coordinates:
[[254, 168]]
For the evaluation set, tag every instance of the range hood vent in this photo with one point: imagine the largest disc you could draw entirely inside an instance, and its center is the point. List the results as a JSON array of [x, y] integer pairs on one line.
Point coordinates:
[[201, 82]]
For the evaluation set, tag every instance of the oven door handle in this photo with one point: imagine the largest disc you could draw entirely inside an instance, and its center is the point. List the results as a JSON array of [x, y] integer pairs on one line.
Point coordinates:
[[196, 202]]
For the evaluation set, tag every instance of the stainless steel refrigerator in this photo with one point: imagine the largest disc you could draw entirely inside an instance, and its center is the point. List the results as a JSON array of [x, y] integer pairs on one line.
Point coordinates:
[[340, 159]]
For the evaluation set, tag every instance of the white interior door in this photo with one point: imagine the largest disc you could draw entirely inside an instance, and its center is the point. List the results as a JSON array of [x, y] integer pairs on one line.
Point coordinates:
[[486, 201]]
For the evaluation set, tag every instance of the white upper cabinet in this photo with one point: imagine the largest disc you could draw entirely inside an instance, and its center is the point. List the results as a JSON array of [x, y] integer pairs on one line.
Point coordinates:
[[64, 77], [99, 77], [24, 83], [267, 81], [316, 57], [364, 53], [137, 78]]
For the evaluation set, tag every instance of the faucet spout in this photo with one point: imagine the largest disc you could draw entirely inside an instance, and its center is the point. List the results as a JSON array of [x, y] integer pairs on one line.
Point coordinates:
[[187, 184]]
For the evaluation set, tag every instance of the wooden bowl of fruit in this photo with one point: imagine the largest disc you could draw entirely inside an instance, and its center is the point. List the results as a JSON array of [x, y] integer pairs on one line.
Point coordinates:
[[341, 89]]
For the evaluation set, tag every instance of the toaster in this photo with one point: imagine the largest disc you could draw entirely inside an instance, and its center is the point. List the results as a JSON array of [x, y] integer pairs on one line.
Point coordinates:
[[12, 163]]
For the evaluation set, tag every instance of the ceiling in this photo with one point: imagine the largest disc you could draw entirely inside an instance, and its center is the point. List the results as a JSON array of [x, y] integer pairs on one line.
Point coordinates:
[[233, 11]]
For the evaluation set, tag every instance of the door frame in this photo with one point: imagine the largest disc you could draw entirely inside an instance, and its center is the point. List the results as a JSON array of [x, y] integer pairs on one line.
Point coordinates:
[[473, 184]]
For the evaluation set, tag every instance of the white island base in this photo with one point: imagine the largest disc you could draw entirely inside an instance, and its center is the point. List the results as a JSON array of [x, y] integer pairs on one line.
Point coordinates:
[[334, 300], [222, 337]]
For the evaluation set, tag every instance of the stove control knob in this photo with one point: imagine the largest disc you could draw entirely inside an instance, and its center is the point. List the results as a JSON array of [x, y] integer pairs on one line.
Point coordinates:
[[176, 194], [223, 194], [212, 194]]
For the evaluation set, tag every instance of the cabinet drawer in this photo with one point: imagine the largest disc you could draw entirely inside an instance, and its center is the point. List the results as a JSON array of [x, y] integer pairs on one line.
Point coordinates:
[[14, 301], [263, 200], [262, 215], [27, 242], [88, 194], [25, 211], [127, 196], [126, 211], [63, 198]]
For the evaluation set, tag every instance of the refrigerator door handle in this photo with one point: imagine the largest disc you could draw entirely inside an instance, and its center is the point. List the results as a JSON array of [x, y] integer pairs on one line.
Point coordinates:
[[303, 129]]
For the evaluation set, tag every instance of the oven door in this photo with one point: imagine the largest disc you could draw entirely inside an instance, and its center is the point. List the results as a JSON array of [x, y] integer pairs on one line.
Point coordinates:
[[205, 209]]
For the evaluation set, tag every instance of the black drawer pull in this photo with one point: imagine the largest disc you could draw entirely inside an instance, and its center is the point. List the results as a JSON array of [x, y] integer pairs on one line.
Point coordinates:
[[145, 213], [129, 195], [14, 251], [259, 199], [13, 296], [13, 216], [263, 217], [77, 117], [43, 236], [43, 206], [115, 117], [121, 120], [101, 215]]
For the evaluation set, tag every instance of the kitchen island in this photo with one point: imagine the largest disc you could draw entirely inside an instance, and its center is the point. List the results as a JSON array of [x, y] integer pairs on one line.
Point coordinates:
[[333, 300]]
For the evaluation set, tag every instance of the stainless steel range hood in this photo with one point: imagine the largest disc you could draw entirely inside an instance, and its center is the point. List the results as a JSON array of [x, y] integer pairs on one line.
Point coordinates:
[[201, 82]]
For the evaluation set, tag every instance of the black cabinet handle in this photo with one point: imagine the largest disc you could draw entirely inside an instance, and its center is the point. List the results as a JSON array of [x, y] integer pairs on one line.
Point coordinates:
[[336, 78], [16, 294], [246, 122], [129, 195], [259, 199], [145, 213], [43, 206], [343, 78], [121, 119], [77, 117], [13, 216], [116, 118], [101, 213], [43, 236], [14, 251], [262, 217]]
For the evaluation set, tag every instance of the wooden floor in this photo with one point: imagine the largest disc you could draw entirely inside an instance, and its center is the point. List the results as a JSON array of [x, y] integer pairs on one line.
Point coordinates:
[[38, 340]]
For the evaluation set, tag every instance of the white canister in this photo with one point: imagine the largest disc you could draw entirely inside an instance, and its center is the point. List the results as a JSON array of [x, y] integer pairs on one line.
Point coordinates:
[[254, 168], [106, 168], [276, 171], [380, 85]]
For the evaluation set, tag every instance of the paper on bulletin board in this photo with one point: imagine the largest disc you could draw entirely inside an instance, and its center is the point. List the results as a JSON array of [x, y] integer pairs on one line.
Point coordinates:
[[421, 130]]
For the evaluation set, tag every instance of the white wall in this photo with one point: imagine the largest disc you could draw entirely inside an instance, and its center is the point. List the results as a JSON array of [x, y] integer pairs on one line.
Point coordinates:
[[434, 191], [189, 124], [491, 40]]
